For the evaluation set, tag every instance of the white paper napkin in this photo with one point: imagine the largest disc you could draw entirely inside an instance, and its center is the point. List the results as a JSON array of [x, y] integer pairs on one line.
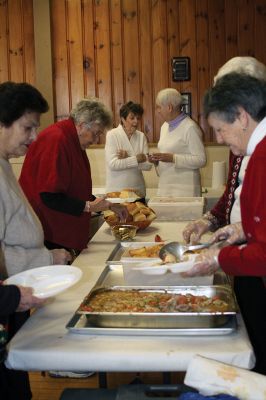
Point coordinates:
[[212, 377]]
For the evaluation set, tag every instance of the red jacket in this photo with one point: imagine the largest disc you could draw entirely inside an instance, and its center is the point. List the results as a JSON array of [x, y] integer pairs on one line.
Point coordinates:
[[56, 163], [250, 259]]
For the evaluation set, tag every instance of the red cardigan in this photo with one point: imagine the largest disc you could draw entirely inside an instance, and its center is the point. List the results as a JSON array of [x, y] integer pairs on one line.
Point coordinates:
[[250, 259], [56, 163]]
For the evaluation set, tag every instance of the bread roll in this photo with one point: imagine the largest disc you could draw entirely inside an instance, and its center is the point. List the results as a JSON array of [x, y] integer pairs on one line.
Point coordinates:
[[139, 217], [139, 204], [151, 217], [132, 208]]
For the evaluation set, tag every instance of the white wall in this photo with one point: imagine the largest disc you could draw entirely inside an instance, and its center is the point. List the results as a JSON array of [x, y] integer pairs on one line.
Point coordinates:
[[97, 161]]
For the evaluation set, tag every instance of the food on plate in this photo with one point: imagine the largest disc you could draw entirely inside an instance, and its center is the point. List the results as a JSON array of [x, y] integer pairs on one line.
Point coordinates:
[[113, 195], [158, 238], [124, 194], [146, 251], [138, 212], [141, 301], [170, 258]]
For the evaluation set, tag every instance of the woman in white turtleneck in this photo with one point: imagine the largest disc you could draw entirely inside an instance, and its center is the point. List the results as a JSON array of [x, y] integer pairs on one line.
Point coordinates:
[[181, 151]]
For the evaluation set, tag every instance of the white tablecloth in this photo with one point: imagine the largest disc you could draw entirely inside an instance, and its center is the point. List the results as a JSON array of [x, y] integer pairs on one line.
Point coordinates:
[[44, 343]]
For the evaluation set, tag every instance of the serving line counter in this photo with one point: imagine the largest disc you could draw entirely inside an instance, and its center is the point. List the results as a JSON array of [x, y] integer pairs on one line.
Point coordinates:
[[44, 343]]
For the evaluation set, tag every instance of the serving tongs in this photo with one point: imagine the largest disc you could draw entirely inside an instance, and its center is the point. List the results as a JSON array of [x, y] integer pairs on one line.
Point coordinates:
[[178, 249]]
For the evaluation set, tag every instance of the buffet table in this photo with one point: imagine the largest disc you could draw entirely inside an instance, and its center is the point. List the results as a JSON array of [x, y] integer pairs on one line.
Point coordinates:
[[44, 343]]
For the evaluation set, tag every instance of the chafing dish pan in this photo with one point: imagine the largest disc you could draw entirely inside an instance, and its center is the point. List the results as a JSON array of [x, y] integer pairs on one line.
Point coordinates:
[[162, 320]]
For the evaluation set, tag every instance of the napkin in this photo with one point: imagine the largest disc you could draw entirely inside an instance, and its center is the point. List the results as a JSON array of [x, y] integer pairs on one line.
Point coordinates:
[[218, 174], [212, 377]]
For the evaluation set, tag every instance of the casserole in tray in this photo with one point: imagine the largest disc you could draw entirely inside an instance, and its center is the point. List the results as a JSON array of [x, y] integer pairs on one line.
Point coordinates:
[[163, 310]]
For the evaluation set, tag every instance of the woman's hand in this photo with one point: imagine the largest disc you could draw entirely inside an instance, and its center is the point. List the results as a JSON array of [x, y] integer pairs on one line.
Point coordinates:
[[61, 256], [120, 210], [152, 160], [141, 158], [164, 157], [122, 154], [101, 204], [28, 300], [205, 264], [195, 229], [231, 233]]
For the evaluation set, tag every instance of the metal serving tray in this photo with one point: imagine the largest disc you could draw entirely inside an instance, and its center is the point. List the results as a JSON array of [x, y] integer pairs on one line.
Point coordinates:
[[112, 276], [168, 320]]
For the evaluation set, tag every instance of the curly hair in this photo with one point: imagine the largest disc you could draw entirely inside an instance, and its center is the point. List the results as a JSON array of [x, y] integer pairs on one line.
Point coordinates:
[[18, 98], [131, 107], [92, 111]]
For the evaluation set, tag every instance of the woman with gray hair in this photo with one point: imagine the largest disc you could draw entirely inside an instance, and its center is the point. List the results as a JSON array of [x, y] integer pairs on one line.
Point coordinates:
[[56, 176], [236, 109], [181, 151], [227, 209]]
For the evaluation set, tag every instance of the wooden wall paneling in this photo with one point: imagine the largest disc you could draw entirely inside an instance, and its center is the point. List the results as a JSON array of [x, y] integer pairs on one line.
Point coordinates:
[[231, 29], [160, 57], [88, 48], [60, 59], [202, 49], [74, 41], [216, 35], [28, 39], [173, 38], [116, 59], [103, 53], [187, 14], [4, 45], [131, 50], [246, 27], [103, 66], [259, 27], [16, 49], [146, 70]]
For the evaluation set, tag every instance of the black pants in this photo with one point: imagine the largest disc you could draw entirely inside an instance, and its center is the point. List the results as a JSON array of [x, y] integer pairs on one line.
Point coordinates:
[[251, 296], [15, 385]]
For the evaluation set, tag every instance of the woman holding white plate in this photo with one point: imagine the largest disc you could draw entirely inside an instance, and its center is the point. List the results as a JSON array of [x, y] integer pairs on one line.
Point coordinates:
[[21, 232]]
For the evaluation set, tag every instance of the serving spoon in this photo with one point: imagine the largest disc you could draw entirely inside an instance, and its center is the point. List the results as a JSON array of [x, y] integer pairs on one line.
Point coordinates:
[[178, 249]]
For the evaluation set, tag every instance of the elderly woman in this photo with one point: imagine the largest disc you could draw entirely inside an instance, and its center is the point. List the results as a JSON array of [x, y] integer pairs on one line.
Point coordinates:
[[181, 151], [126, 152], [21, 232], [236, 109], [227, 208], [56, 176]]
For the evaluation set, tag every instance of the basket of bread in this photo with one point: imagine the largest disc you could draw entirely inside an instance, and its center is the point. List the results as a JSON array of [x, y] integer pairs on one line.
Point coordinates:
[[140, 215]]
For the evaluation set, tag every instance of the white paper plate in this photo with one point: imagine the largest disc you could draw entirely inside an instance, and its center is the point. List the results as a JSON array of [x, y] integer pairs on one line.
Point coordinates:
[[47, 281], [155, 268], [118, 200]]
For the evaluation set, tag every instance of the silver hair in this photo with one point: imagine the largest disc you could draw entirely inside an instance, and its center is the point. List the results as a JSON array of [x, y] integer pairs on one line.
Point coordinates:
[[92, 111], [169, 96], [242, 65]]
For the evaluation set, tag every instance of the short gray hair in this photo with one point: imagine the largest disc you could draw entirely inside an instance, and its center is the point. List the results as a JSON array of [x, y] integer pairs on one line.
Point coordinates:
[[169, 96], [242, 65], [92, 111]]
